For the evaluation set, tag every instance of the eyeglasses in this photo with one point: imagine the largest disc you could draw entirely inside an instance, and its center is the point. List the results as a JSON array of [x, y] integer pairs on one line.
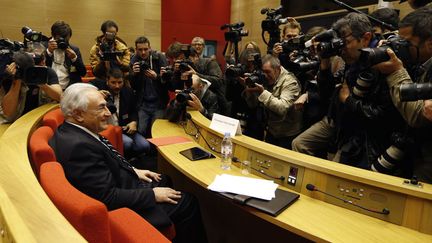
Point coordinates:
[[197, 44]]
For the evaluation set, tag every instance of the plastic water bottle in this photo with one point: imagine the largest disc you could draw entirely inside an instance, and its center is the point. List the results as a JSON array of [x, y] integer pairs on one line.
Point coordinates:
[[226, 151]]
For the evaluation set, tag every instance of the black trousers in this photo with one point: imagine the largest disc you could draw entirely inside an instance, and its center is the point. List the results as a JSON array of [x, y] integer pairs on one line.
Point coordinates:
[[185, 215]]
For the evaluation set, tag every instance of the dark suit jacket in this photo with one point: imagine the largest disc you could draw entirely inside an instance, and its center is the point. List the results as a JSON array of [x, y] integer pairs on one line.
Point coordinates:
[[127, 108], [76, 70], [96, 171]]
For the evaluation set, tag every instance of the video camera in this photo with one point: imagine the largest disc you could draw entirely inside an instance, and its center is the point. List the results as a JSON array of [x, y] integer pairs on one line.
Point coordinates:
[[373, 56], [235, 32], [33, 36], [271, 25], [7, 49], [330, 44]]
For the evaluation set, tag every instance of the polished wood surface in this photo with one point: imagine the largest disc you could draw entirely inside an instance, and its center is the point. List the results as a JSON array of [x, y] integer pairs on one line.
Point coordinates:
[[309, 217], [30, 214]]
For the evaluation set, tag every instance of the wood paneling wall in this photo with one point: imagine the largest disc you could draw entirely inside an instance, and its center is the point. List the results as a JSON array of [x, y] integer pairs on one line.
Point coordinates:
[[134, 18], [248, 11]]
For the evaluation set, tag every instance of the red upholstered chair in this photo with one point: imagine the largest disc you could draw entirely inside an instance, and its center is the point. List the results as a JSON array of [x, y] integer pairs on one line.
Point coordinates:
[[53, 119], [114, 135], [40, 150], [90, 217]]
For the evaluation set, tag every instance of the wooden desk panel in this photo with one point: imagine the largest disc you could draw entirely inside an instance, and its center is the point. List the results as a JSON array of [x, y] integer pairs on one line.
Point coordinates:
[[309, 217]]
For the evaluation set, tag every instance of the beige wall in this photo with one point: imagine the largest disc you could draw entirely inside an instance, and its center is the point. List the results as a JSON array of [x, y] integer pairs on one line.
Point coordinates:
[[134, 18], [248, 11]]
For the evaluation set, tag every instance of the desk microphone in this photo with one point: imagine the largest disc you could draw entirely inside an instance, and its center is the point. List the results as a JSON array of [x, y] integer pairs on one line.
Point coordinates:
[[189, 117], [384, 211]]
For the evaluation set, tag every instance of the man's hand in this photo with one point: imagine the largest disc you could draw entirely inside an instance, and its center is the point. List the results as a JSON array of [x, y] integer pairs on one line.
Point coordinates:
[[104, 93], [257, 89], [390, 66], [166, 194], [70, 53], [131, 127], [427, 109], [136, 67], [344, 92], [299, 103], [277, 49], [11, 69], [52, 45], [147, 175], [150, 74], [195, 103]]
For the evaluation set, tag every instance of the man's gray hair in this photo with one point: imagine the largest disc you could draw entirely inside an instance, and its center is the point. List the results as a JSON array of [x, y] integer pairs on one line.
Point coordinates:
[[76, 97], [274, 61]]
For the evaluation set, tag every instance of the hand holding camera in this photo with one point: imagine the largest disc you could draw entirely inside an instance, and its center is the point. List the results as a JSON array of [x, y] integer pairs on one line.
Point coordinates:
[[392, 65], [195, 103]]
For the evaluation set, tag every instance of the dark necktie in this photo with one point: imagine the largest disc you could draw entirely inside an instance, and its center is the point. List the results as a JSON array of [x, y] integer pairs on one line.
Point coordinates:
[[115, 152]]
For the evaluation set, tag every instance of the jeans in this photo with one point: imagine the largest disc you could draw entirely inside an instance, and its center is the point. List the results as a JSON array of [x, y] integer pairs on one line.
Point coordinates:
[[146, 117], [135, 144]]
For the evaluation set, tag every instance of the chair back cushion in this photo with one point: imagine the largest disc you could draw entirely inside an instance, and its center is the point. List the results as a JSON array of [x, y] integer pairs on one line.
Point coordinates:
[[40, 150], [87, 215], [53, 119], [114, 135]]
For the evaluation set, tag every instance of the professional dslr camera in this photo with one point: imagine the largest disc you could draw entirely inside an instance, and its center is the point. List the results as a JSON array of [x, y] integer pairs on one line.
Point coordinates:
[[7, 49], [304, 59], [416, 91], [257, 76], [235, 32], [107, 52], [330, 44], [183, 96], [110, 104], [373, 56], [62, 43]]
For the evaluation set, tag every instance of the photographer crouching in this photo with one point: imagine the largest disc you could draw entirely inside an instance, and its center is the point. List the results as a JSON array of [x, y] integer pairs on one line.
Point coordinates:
[[361, 117], [416, 29], [197, 95], [277, 93]]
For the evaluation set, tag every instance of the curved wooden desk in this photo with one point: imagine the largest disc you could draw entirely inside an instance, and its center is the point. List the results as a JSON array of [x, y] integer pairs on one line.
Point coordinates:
[[27, 214], [313, 216]]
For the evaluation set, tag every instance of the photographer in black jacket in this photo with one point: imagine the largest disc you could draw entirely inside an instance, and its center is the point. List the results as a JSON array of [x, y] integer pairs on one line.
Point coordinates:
[[152, 91], [361, 118]]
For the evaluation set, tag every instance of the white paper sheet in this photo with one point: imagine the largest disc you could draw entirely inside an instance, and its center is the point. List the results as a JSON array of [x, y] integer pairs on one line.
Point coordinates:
[[258, 188]]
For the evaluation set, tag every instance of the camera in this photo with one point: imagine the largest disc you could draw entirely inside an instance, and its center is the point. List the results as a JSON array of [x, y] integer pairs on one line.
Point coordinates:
[[271, 25], [7, 49], [235, 32], [373, 56], [330, 44], [144, 65], [294, 44], [235, 71], [416, 91], [107, 52], [62, 43], [183, 96], [364, 83], [168, 74], [393, 155], [31, 35], [110, 104], [257, 77]]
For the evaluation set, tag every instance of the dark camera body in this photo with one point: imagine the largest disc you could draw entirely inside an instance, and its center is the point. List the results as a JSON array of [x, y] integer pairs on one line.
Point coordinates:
[[416, 91], [257, 77], [373, 56], [108, 53], [294, 44], [330, 44], [183, 96], [62, 43], [32, 35], [235, 32], [144, 65], [110, 104], [7, 49], [235, 71], [168, 74]]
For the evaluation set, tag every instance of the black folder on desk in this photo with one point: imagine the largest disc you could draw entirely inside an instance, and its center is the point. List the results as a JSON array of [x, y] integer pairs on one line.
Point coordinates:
[[273, 207]]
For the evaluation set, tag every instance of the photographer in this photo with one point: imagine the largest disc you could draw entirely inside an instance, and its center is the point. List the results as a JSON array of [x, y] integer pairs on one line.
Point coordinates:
[[416, 29], [16, 96], [277, 96], [291, 30], [63, 57], [109, 51], [198, 97], [152, 92], [387, 15], [361, 118], [205, 68]]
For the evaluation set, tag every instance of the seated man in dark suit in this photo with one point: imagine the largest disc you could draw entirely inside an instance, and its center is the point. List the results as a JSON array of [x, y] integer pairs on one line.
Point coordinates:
[[94, 167]]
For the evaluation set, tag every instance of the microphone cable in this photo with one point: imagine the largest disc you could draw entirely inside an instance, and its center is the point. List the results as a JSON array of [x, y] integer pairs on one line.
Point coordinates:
[[189, 117], [384, 211]]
